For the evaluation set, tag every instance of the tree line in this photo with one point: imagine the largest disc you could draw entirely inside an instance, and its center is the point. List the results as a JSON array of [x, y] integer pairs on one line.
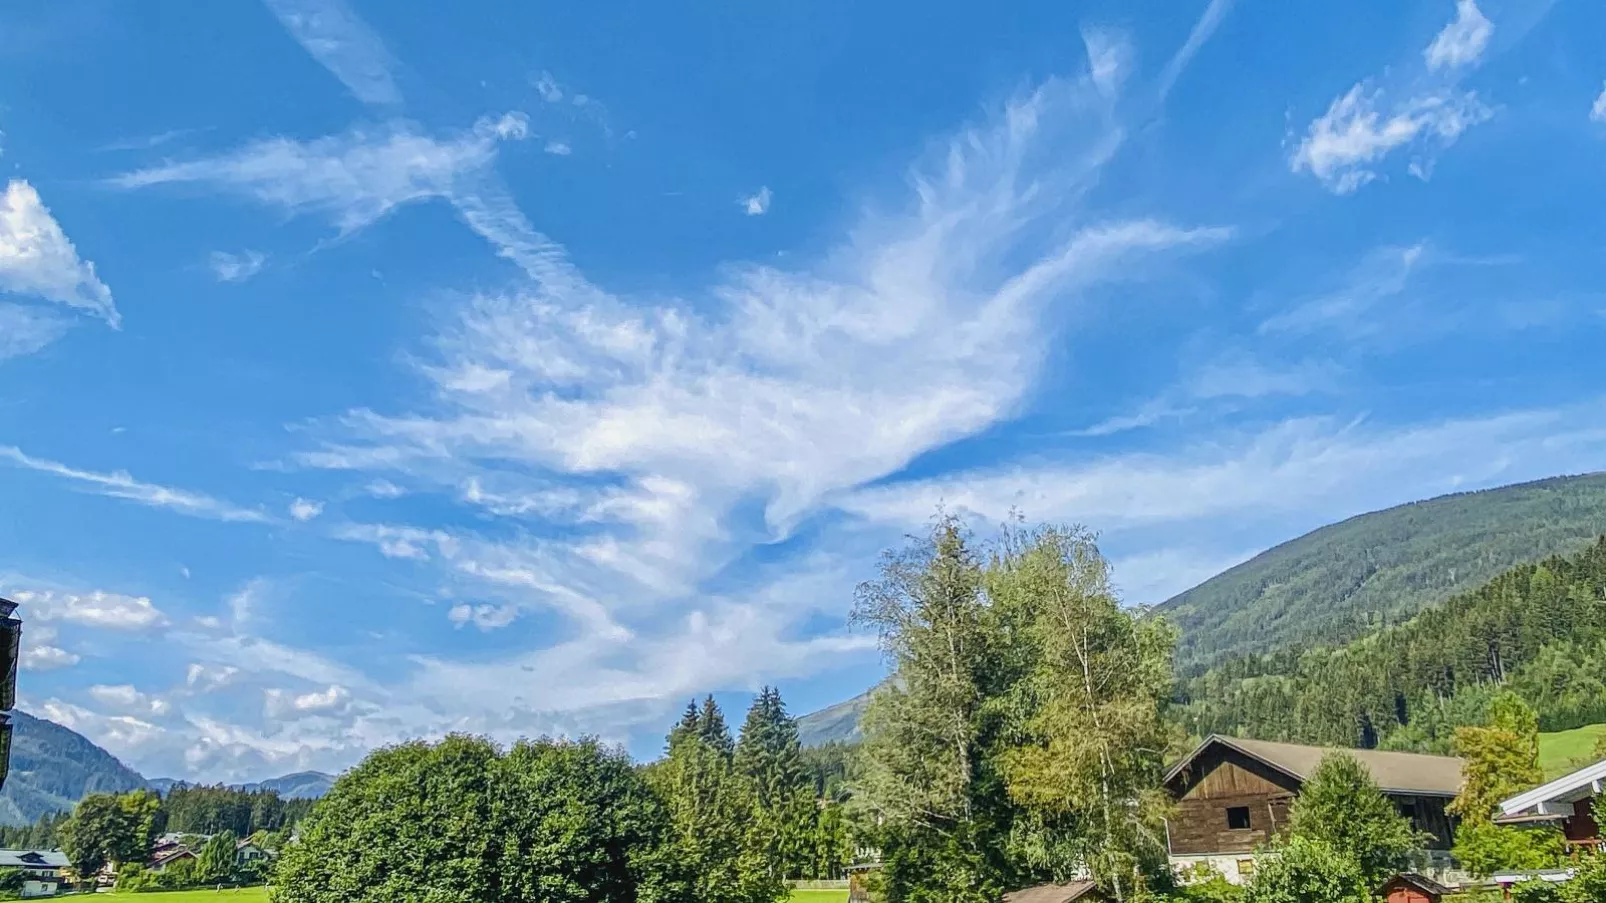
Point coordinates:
[[184, 809], [717, 819]]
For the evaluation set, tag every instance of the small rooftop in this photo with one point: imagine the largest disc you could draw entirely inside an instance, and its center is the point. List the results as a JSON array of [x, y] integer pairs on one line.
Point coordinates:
[[1563, 791], [33, 859], [1054, 893]]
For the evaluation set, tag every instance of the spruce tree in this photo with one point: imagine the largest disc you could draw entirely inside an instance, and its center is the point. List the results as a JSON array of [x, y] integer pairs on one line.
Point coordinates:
[[710, 807], [769, 756]]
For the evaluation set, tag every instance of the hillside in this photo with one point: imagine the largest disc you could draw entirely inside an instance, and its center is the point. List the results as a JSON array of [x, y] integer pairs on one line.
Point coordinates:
[[1538, 630], [52, 768], [1338, 582], [837, 723]]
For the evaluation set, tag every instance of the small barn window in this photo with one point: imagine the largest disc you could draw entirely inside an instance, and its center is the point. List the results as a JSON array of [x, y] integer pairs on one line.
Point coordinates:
[[1238, 818]]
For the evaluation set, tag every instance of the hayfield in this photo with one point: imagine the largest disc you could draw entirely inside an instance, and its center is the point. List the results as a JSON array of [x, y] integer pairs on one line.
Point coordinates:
[[203, 895], [1564, 751], [819, 896]]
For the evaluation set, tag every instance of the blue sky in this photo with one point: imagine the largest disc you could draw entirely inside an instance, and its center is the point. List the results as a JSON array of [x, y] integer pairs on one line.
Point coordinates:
[[374, 370]]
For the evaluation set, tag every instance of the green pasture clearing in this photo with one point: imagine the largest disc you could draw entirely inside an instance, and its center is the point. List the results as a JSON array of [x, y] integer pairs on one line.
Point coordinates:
[[242, 895], [1565, 751], [819, 896]]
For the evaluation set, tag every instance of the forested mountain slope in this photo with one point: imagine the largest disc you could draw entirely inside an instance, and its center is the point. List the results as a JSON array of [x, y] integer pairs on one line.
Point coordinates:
[[1537, 629], [1342, 580], [52, 768]]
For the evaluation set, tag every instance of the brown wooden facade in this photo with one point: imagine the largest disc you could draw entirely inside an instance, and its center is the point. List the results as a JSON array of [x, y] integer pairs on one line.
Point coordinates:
[[1228, 802]]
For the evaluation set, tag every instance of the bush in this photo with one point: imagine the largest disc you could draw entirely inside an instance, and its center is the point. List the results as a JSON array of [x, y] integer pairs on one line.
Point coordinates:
[[1308, 871], [1537, 891], [1589, 881]]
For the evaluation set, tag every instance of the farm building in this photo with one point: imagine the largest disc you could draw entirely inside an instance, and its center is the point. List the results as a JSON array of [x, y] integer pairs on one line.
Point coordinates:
[[1234, 795], [41, 870], [1567, 802]]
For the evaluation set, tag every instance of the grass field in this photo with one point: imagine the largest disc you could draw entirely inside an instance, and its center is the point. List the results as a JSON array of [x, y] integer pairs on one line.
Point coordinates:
[[243, 895], [260, 894], [1565, 751]]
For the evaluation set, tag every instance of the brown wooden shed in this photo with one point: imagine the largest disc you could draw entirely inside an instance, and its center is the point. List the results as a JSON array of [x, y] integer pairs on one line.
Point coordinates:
[[1412, 888]]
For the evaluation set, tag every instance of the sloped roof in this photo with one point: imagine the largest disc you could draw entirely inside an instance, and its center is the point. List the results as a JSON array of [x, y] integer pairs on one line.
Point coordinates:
[[1394, 772], [1053, 893], [1587, 781], [1420, 882], [33, 859]]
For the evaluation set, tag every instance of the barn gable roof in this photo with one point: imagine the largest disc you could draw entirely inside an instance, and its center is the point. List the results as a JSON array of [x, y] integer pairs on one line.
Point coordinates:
[[1395, 772]]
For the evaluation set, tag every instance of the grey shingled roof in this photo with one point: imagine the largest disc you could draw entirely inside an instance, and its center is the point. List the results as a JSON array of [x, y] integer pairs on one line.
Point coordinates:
[[1394, 772]]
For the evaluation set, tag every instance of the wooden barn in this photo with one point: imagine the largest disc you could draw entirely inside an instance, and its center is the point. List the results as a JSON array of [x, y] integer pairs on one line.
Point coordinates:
[[1233, 795]]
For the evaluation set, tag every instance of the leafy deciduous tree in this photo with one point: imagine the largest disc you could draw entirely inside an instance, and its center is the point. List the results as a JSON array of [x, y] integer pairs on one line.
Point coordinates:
[[1340, 806]]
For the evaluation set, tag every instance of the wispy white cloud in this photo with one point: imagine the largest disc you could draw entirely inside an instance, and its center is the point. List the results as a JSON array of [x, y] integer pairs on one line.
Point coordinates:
[[283, 704], [1383, 274], [305, 509], [127, 698], [37, 258], [558, 148], [1230, 376], [25, 330], [344, 44], [1322, 468], [121, 732], [485, 617], [39, 652], [1463, 41], [1202, 31], [122, 485], [1598, 111], [112, 611], [757, 203], [1426, 113], [354, 179], [231, 267], [204, 678], [620, 452], [1345, 142], [45, 657]]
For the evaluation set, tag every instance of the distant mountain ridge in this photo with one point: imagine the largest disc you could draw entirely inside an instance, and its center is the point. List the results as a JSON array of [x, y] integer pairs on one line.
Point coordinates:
[[53, 767], [309, 785]]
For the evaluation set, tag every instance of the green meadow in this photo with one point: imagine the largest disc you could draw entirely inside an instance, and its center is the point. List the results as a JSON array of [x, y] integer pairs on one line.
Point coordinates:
[[1565, 751]]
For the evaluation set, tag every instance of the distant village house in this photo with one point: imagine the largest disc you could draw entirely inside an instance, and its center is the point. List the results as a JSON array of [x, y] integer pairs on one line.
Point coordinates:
[[42, 870]]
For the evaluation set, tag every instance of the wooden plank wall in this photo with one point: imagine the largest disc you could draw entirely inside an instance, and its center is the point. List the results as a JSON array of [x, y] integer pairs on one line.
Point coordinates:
[[1221, 780]]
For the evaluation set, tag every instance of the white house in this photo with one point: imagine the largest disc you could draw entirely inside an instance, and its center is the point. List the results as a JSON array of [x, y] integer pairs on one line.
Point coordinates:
[[41, 869]]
